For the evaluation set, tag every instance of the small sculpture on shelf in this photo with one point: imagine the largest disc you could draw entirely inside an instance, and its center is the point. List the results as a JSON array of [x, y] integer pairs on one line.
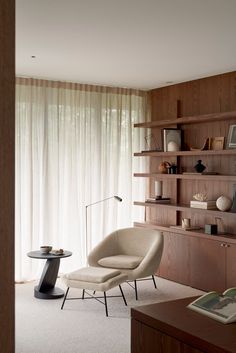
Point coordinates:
[[199, 167], [200, 196], [163, 167]]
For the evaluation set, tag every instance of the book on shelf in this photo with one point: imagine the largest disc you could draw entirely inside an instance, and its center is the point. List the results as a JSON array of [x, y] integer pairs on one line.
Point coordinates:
[[154, 200], [206, 205], [221, 307], [155, 150]]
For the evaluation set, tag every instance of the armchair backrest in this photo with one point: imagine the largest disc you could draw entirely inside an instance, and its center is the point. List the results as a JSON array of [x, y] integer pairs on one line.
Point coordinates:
[[135, 241]]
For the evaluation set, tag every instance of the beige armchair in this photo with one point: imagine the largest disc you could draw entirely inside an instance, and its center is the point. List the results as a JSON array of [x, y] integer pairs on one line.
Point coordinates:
[[136, 252]]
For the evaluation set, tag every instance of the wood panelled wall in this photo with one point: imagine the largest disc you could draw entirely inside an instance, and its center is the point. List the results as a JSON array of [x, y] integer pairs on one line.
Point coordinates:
[[7, 138], [208, 95], [204, 96]]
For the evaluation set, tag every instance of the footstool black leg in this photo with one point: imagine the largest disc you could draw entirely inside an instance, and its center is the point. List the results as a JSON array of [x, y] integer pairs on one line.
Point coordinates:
[[65, 298], [105, 302], [83, 293], [122, 295], [136, 291], [153, 278]]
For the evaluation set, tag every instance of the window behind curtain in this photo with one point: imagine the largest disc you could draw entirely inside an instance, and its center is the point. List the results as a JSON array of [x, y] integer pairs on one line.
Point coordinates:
[[74, 146]]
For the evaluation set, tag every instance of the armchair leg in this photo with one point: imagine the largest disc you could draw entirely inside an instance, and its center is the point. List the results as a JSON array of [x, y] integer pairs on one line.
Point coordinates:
[[105, 302], [136, 290], [122, 295], [62, 306], [153, 278]]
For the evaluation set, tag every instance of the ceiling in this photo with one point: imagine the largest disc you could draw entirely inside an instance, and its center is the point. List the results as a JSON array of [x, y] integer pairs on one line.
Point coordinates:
[[126, 43]]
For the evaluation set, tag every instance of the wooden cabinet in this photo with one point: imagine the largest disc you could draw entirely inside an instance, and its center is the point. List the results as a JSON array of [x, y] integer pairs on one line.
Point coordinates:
[[192, 257], [202, 263]]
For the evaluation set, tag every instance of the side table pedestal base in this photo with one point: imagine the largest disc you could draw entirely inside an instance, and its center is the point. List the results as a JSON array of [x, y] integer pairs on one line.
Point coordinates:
[[52, 293]]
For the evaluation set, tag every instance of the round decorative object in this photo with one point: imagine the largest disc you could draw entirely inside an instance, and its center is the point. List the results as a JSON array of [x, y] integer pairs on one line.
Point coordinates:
[[163, 167], [199, 167], [172, 146], [223, 203]]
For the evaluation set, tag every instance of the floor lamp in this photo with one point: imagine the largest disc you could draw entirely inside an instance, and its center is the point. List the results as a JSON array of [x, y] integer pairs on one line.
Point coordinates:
[[86, 216]]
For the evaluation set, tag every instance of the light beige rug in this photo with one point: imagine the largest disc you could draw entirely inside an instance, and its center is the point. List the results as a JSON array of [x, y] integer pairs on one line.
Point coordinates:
[[82, 327]]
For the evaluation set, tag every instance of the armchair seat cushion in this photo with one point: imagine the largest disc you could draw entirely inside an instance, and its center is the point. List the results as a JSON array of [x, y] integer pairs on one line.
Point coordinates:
[[120, 261], [92, 274]]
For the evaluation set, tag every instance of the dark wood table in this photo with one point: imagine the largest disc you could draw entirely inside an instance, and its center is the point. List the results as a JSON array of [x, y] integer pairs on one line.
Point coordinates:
[[170, 327], [46, 288]]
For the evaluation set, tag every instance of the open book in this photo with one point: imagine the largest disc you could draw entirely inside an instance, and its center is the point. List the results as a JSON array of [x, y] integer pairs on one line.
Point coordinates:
[[217, 306]]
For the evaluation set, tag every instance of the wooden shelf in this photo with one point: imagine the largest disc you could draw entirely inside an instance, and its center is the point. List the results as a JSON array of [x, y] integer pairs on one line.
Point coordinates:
[[197, 233], [180, 207], [187, 153], [198, 119], [199, 176]]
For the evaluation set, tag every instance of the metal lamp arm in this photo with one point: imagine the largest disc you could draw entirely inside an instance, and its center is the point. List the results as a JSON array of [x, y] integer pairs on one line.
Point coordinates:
[[94, 203], [107, 198]]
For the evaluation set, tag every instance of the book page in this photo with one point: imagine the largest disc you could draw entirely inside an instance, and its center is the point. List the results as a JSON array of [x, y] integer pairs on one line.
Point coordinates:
[[222, 305]]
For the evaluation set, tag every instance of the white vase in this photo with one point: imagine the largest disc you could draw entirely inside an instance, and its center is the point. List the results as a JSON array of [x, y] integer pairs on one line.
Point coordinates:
[[223, 203], [172, 146]]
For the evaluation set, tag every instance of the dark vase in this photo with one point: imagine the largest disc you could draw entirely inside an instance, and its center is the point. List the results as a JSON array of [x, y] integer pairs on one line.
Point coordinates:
[[173, 169], [199, 167]]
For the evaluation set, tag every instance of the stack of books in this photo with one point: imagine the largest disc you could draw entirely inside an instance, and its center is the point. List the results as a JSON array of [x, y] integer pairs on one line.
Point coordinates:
[[162, 200], [206, 205]]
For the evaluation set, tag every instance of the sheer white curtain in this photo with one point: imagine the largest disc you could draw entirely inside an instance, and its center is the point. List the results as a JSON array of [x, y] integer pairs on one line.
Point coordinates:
[[74, 146]]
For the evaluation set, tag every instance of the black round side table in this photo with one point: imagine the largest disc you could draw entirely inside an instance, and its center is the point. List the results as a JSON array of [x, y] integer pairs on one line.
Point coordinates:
[[46, 288]]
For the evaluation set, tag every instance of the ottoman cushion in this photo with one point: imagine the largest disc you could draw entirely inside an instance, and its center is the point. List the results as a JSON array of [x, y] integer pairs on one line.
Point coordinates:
[[93, 274], [94, 278], [121, 261]]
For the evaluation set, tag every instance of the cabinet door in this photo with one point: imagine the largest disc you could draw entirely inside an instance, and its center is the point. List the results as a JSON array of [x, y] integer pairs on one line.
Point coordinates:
[[175, 259], [208, 259], [230, 265], [145, 339]]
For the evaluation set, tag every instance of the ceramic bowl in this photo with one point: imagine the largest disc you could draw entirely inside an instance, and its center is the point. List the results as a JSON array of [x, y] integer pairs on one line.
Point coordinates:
[[45, 249]]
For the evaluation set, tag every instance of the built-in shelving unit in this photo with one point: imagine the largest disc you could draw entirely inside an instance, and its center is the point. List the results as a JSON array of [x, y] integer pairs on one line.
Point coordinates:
[[190, 257]]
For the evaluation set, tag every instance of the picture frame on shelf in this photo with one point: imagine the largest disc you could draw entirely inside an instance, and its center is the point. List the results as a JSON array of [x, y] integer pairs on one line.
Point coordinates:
[[231, 141], [217, 143], [172, 139]]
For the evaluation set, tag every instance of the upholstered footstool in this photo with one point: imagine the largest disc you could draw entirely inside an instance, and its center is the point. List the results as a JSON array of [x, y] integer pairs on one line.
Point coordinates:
[[97, 279]]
